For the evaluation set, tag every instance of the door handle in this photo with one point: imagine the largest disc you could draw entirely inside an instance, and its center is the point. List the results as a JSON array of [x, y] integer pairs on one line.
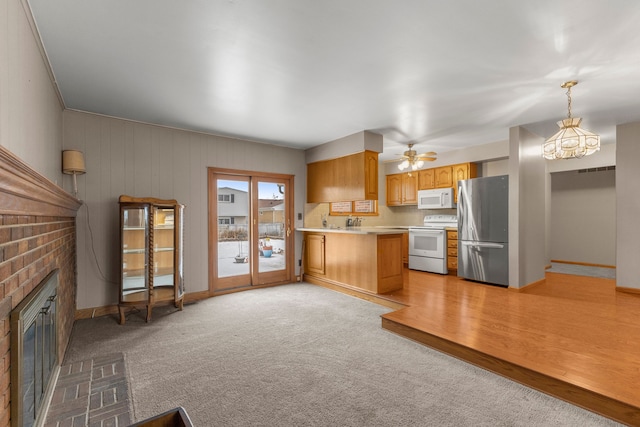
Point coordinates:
[[483, 245], [288, 231]]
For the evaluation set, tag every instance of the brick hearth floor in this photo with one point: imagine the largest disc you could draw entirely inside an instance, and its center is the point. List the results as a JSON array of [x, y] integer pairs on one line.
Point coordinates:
[[92, 393]]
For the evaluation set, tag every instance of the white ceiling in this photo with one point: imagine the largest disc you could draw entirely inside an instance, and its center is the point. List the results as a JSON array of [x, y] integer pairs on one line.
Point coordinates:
[[299, 73]]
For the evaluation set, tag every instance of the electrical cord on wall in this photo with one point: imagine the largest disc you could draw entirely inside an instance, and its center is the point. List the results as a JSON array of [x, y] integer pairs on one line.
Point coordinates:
[[93, 250]]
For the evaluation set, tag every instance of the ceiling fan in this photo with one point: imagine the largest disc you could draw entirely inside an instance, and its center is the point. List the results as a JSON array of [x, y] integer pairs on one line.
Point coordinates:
[[411, 159]]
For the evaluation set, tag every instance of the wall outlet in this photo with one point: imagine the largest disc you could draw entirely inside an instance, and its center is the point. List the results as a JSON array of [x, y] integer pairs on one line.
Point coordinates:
[[299, 263]]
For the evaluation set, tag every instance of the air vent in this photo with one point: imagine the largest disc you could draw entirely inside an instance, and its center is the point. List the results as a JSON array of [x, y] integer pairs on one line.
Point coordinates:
[[600, 169]]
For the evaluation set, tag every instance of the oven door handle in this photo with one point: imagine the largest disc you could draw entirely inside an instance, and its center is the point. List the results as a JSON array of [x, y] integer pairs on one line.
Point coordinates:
[[483, 245], [426, 231]]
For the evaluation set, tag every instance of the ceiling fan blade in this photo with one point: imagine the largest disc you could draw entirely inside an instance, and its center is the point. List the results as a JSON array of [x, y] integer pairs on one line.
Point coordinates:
[[429, 153], [428, 159], [393, 160]]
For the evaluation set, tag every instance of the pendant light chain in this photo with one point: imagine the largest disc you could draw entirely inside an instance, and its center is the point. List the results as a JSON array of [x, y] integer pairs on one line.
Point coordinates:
[[569, 104]]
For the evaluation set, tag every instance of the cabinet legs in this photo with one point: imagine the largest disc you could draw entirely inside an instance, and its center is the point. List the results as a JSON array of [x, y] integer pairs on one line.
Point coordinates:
[[122, 310], [122, 316]]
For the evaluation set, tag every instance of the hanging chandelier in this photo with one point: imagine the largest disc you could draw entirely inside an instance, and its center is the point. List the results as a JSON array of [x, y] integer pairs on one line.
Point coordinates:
[[571, 141]]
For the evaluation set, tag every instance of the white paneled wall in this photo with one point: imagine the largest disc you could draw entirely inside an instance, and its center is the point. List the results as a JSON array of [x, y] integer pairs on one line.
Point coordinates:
[[583, 217], [124, 157], [30, 111]]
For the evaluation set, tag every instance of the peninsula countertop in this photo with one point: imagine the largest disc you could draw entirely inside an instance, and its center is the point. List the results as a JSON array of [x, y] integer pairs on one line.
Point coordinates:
[[356, 230]]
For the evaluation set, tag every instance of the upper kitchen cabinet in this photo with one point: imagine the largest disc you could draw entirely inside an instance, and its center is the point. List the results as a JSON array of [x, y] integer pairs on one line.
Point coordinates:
[[464, 171], [353, 177], [461, 172], [444, 177], [426, 179], [402, 189]]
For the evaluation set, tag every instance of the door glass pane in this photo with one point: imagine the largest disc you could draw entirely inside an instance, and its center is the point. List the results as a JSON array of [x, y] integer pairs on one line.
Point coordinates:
[[271, 226], [29, 376], [134, 254], [233, 233], [39, 359], [163, 246]]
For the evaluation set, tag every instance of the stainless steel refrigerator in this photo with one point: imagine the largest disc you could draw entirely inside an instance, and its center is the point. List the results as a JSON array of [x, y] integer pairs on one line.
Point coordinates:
[[483, 229]]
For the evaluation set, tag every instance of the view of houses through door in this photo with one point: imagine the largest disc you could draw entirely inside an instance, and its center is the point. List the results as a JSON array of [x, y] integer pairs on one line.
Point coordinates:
[[250, 229]]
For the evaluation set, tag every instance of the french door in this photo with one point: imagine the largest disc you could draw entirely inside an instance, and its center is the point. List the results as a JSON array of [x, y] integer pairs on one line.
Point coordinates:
[[250, 229]]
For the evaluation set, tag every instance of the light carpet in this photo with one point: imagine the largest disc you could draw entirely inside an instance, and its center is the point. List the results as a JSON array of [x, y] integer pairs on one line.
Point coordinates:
[[582, 270], [302, 355]]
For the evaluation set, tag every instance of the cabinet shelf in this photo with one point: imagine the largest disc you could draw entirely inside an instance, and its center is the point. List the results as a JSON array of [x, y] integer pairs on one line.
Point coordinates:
[[163, 227], [151, 253], [163, 249], [135, 296], [134, 251]]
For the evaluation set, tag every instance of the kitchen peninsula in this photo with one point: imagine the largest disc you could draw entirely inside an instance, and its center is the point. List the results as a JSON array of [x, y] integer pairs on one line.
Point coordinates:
[[362, 258]]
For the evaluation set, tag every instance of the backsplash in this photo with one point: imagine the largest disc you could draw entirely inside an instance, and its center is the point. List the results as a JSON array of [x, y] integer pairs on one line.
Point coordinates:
[[396, 215]]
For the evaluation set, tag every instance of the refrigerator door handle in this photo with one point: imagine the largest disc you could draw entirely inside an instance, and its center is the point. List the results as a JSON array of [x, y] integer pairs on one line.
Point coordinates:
[[483, 245], [460, 206]]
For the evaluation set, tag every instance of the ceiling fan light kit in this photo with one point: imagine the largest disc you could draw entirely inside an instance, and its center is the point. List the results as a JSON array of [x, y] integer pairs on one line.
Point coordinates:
[[570, 141], [414, 160]]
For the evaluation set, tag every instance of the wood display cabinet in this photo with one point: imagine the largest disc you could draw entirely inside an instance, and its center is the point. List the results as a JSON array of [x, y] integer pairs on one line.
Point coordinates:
[[151, 241]]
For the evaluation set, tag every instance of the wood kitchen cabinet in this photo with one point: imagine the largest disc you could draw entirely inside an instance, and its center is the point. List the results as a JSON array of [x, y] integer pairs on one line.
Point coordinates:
[[394, 189], [444, 177], [365, 261], [348, 178], [402, 189], [315, 258], [426, 179], [452, 251], [405, 248], [460, 172], [151, 236]]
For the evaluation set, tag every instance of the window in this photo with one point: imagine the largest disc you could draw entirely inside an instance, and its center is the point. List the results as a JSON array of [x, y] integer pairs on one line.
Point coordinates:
[[228, 198], [225, 220]]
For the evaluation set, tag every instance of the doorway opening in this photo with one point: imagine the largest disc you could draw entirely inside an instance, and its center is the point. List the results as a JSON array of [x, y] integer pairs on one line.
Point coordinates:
[[250, 229]]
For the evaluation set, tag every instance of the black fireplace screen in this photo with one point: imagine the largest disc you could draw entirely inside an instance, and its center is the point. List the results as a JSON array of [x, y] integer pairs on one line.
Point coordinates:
[[33, 352]]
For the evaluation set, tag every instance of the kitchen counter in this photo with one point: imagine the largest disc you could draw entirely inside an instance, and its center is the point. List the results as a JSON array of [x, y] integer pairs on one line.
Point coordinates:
[[356, 230], [363, 258]]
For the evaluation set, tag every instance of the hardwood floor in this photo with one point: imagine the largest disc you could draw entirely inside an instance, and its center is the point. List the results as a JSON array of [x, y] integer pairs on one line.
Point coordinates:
[[573, 337]]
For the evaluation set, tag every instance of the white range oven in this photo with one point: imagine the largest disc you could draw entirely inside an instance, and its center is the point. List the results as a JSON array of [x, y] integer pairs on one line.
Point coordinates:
[[428, 244]]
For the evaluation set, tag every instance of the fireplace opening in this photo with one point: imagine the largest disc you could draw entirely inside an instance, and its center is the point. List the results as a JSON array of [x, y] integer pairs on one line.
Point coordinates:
[[34, 353]]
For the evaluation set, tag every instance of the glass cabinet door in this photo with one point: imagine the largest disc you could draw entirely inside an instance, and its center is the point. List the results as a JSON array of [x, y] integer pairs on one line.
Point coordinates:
[[135, 257], [163, 270], [179, 248]]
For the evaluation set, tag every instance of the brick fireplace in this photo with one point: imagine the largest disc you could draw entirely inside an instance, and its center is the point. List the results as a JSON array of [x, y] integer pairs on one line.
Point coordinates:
[[37, 236]]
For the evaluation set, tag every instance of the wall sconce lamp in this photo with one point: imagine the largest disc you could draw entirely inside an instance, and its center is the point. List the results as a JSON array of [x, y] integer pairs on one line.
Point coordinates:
[[73, 164]]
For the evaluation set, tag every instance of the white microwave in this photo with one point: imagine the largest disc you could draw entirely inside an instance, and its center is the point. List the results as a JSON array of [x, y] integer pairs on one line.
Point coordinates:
[[438, 198]]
